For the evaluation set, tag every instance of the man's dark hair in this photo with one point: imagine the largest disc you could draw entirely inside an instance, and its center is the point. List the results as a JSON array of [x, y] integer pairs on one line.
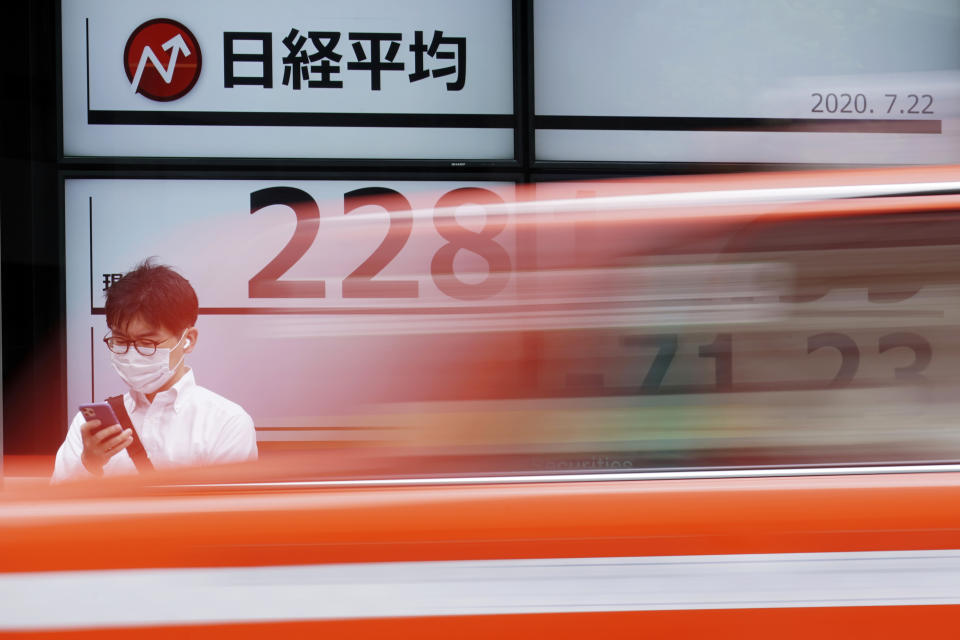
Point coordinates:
[[157, 294]]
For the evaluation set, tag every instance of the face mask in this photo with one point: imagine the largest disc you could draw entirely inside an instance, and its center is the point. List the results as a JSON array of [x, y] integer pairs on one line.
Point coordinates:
[[145, 373]]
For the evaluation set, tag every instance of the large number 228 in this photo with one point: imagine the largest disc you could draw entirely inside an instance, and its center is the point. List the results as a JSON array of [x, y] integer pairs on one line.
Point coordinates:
[[362, 282]]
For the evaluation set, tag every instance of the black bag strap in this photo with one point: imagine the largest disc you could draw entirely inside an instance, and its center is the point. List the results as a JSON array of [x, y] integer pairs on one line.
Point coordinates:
[[136, 451]]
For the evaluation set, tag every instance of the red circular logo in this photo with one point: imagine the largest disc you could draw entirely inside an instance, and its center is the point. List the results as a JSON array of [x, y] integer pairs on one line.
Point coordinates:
[[162, 60]]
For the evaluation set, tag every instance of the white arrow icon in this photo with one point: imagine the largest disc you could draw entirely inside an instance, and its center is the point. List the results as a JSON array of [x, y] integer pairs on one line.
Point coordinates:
[[177, 45]]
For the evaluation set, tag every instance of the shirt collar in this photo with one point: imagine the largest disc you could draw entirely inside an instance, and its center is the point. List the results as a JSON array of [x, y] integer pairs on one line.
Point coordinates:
[[172, 396]]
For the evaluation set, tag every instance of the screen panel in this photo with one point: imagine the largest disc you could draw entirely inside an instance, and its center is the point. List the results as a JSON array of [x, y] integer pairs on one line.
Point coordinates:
[[747, 82], [466, 327], [292, 79]]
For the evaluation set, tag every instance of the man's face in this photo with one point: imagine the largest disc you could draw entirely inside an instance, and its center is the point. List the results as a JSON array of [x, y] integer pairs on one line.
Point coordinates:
[[137, 329]]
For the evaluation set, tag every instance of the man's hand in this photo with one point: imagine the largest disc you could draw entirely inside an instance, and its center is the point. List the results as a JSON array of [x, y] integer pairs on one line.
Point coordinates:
[[99, 447]]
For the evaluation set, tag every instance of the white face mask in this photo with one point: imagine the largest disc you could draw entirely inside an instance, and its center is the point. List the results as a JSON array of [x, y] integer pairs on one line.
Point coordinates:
[[146, 373]]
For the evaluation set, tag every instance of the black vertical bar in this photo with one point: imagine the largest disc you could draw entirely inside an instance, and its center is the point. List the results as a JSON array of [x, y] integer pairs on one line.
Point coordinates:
[[519, 77], [526, 79], [90, 205], [58, 39], [88, 67], [92, 396]]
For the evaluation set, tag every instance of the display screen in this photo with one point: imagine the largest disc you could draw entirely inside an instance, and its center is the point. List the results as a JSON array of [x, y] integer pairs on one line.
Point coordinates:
[[424, 80], [782, 82], [464, 327]]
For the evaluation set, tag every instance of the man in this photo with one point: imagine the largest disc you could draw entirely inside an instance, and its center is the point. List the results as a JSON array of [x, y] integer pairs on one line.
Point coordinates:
[[151, 313]]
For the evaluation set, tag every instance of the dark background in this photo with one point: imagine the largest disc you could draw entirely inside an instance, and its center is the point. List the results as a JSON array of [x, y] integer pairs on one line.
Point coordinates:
[[30, 236]]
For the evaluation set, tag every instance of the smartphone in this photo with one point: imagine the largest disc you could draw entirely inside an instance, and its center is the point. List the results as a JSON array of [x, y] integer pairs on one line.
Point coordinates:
[[99, 411]]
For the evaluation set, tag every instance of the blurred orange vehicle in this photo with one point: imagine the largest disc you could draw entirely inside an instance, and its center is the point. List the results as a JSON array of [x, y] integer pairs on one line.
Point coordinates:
[[785, 553], [716, 405]]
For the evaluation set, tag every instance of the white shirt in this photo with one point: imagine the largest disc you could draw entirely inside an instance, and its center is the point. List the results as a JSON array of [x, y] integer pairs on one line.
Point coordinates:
[[186, 425]]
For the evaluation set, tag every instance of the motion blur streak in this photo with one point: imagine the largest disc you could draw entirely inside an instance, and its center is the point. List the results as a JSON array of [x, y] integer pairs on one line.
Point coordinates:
[[179, 556], [676, 323], [786, 624], [487, 587]]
